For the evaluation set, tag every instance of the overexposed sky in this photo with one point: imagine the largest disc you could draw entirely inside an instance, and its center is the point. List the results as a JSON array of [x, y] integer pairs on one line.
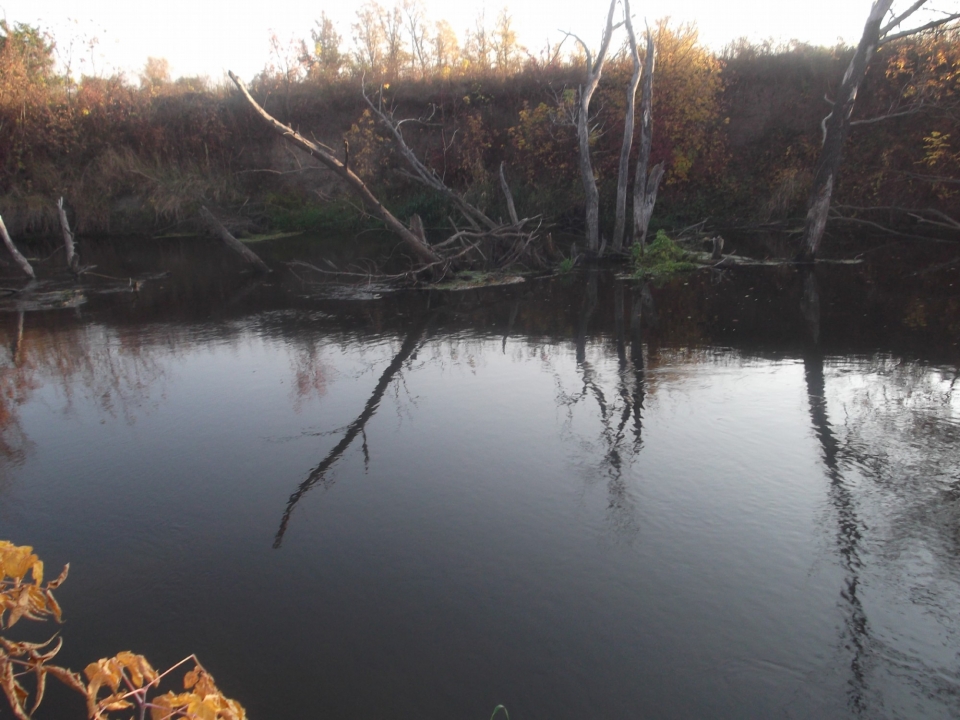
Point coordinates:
[[207, 37]]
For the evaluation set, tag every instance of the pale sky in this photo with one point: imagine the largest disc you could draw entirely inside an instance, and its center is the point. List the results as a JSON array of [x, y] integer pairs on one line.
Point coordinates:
[[207, 37]]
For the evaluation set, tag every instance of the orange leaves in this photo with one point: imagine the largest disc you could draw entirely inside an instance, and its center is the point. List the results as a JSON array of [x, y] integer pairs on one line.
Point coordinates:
[[205, 702], [17, 561], [130, 678], [19, 597], [123, 674], [126, 679]]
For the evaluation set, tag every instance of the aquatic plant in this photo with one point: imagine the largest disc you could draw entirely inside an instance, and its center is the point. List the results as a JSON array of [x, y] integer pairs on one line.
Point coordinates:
[[123, 682]]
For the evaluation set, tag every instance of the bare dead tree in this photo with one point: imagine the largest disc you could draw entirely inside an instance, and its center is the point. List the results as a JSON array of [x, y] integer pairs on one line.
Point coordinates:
[[623, 175], [646, 184], [592, 79], [836, 125]]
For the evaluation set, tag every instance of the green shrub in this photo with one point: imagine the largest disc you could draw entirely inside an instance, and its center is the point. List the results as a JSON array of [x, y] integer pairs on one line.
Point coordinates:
[[661, 258]]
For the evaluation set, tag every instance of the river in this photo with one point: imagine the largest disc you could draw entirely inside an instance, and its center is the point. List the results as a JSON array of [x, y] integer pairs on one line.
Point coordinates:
[[733, 494]]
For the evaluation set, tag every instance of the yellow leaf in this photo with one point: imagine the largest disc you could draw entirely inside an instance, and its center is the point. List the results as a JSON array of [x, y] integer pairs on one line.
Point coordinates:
[[117, 705]]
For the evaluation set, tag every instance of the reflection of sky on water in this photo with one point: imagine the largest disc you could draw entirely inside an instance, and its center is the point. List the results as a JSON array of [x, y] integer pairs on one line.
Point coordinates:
[[549, 524]]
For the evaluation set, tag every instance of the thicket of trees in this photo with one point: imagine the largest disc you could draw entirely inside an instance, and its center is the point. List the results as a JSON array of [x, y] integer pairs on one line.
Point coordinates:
[[738, 131]]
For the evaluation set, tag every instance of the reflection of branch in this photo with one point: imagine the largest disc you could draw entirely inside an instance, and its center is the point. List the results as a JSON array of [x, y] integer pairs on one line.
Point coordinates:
[[849, 526], [357, 427]]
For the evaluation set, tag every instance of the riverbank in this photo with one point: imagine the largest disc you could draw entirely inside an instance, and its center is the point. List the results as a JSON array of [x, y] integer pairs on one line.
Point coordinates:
[[738, 133]]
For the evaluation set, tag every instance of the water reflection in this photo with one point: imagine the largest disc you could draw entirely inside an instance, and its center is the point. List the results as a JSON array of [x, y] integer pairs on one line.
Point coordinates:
[[849, 526], [899, 430], [617, 403], [117, 368], [777, 448]]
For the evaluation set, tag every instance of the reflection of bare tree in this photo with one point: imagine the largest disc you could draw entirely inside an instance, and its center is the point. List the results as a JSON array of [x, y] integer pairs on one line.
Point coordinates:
[[17, 382], [615, 405], [309, 376], [115, 369], [319, 474], [849, 536], [587, 309]]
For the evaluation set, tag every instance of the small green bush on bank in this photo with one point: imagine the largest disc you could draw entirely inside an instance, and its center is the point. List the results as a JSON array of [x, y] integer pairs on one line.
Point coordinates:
[[661, 258]]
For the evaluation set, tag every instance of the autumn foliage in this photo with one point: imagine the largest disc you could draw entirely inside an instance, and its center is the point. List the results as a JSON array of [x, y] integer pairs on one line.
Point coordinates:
[[114, 686], [738, 131]]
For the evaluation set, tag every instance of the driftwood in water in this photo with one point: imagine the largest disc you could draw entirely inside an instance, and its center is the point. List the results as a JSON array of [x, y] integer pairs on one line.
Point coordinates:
[[249, 257], [73, 260], [21, 260], [487, 242]]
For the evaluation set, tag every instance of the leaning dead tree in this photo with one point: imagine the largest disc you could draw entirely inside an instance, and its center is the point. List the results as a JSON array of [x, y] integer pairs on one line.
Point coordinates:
[[73, 260], [226, 237], [592, 79], [20, 259], [836, 125], [481, 242]]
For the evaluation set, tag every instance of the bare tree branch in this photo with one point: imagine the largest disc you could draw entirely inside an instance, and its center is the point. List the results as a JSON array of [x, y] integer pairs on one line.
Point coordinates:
[[900, 18], [929, 26]]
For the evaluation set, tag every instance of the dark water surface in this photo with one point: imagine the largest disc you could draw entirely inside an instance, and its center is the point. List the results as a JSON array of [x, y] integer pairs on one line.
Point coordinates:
[[735, 495]]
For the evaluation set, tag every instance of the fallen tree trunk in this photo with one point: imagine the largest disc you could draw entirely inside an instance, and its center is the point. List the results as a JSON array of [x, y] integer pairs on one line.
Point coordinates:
[[425, 175], [249, 257], [487, 243], [20, 259], [419, 248]]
